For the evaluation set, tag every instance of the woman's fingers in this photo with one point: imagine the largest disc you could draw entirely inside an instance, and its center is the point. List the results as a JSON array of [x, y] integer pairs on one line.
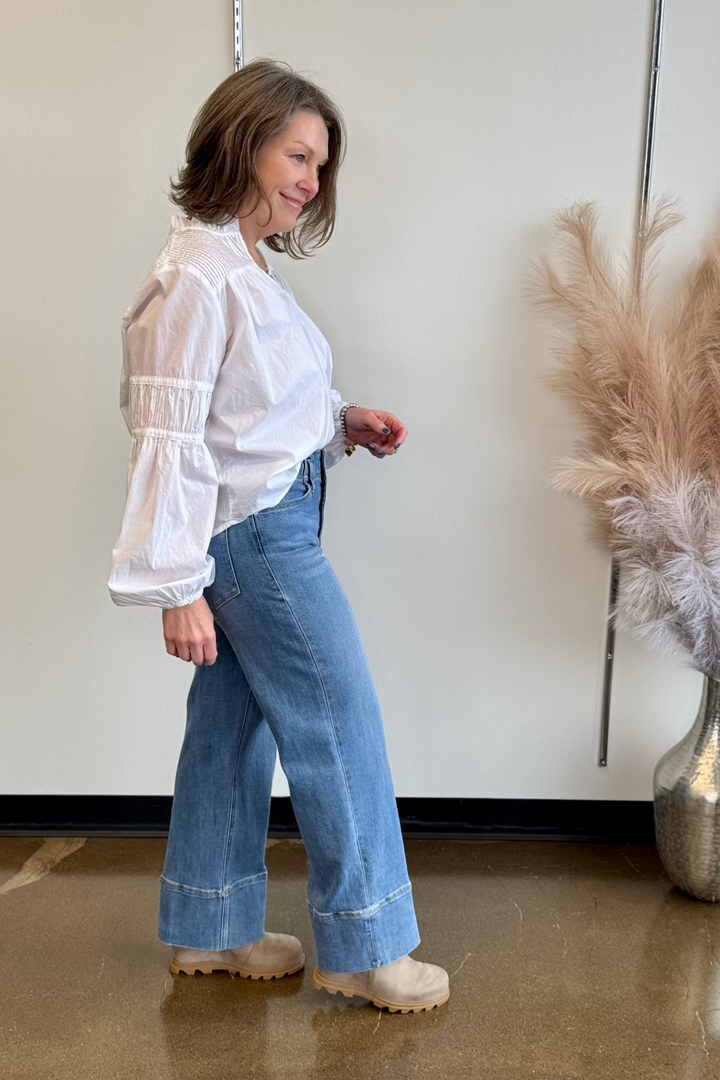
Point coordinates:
[[378, 449], [182, 650], [398, 431], [393, 435], [399, 435], [198, 651], [210, 652]]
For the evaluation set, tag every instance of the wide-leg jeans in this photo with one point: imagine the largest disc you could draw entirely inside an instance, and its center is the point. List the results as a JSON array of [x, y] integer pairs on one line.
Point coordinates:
[[290, 678]]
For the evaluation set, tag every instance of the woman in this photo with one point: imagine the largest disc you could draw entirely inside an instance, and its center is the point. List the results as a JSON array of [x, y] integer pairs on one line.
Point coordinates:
[[226, 392]]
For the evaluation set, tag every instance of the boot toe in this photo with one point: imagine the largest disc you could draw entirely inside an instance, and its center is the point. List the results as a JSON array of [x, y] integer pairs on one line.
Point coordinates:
[[273, 954], [410, 984]]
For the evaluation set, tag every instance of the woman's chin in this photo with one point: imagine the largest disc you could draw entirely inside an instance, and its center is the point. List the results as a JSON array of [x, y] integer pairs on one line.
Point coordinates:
[[285, 222]]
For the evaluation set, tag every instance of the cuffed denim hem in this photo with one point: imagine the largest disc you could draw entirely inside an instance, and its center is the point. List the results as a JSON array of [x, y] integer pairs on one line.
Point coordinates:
[[213, 919], [361, 940]]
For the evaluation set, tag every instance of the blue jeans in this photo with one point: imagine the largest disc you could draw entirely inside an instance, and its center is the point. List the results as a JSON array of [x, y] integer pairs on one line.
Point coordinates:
[[291, 676]]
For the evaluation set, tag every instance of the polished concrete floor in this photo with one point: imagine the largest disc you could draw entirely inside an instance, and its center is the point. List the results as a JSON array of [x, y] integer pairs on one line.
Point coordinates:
[[568, 961]]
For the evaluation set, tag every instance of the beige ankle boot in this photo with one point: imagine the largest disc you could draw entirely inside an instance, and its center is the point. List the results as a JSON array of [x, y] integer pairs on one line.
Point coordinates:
[[405, 985], [273, 956]]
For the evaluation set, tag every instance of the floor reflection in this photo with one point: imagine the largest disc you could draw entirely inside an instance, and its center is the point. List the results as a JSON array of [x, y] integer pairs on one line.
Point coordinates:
[[566, 960]]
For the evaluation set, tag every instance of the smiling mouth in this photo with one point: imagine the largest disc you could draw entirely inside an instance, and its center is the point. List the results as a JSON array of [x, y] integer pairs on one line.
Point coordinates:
[[293, 202]]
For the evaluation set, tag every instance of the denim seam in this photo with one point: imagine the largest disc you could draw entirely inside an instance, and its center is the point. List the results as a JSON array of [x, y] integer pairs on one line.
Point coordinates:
[[327, 705], [365, 913], [231, 564], [213, 894], [224, 925], [323, 493]]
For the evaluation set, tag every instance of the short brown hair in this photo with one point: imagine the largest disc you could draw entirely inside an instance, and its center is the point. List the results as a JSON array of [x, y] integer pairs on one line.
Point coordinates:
[[247, 109]]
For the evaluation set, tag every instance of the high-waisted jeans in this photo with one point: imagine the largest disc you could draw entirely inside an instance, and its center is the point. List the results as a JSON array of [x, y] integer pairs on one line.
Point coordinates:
[[290, 677]]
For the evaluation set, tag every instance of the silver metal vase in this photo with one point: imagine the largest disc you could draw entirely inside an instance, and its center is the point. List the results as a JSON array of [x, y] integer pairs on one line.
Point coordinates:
[[686, 787]]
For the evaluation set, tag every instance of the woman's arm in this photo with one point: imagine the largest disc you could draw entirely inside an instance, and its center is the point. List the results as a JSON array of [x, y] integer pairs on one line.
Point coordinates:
[[174, 341]]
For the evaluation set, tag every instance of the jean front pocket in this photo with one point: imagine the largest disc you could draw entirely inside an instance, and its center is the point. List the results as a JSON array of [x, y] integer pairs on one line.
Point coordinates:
[[225, 586], [301, 488]]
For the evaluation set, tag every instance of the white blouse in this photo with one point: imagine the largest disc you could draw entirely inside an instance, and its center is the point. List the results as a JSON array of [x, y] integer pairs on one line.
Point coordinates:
[[225, 389]]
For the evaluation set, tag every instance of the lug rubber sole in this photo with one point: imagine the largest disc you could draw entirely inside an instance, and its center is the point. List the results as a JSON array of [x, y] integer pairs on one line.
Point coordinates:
[[321, 983], [206, 967]]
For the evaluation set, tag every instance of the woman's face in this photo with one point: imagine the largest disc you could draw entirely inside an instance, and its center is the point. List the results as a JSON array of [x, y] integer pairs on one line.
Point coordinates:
[[288, 168]]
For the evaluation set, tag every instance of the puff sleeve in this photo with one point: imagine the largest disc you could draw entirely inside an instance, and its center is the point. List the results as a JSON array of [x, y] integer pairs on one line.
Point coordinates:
[[174, 338]]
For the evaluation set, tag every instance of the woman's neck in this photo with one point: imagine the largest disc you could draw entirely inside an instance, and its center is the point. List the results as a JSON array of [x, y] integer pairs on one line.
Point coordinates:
[[250, 236]]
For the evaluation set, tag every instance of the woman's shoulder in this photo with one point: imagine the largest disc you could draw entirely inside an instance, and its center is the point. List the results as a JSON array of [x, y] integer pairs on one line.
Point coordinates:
[[195, 268], [211, 253]]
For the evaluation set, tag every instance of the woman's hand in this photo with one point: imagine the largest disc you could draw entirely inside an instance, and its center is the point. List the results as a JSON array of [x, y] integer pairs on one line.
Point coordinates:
[[189, 632], [380, 432]]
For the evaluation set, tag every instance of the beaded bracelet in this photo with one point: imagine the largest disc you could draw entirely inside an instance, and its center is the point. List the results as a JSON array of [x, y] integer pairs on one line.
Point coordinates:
[[349, 446]]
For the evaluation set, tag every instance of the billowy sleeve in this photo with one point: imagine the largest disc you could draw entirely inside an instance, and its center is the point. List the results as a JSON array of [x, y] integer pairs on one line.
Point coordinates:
[[334, 451], [174, 338]]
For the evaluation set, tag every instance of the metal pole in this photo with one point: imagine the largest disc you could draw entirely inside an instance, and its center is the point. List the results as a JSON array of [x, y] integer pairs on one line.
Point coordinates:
[[650, 117], [239, 34]]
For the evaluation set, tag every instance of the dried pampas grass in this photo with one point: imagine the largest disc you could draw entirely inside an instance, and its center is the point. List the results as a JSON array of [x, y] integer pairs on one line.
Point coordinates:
[[646, 384]]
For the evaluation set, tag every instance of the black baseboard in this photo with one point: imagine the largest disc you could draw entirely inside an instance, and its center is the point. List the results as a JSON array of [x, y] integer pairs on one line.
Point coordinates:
[[608, 821]]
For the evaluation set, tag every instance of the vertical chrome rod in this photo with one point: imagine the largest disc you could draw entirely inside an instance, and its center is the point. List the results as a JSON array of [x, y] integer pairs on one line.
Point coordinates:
[[650, 117], [239, 34]]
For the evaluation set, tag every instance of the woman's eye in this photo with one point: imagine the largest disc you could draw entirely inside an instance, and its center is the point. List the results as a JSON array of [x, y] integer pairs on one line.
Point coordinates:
[[319, 168]]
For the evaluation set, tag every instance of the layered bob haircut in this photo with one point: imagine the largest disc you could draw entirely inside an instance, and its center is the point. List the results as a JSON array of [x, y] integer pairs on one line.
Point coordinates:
[[246, 110]]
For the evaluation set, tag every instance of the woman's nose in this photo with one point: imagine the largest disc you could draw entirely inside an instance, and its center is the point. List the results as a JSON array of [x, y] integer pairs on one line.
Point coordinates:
[[311, 186]]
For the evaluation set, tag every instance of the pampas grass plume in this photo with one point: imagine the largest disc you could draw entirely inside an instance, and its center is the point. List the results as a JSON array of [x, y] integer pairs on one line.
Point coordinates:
[[645, 382]]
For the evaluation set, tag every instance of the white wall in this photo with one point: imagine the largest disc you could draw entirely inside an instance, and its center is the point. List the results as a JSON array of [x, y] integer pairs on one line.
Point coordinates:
[[96, 103], [480, 601]]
